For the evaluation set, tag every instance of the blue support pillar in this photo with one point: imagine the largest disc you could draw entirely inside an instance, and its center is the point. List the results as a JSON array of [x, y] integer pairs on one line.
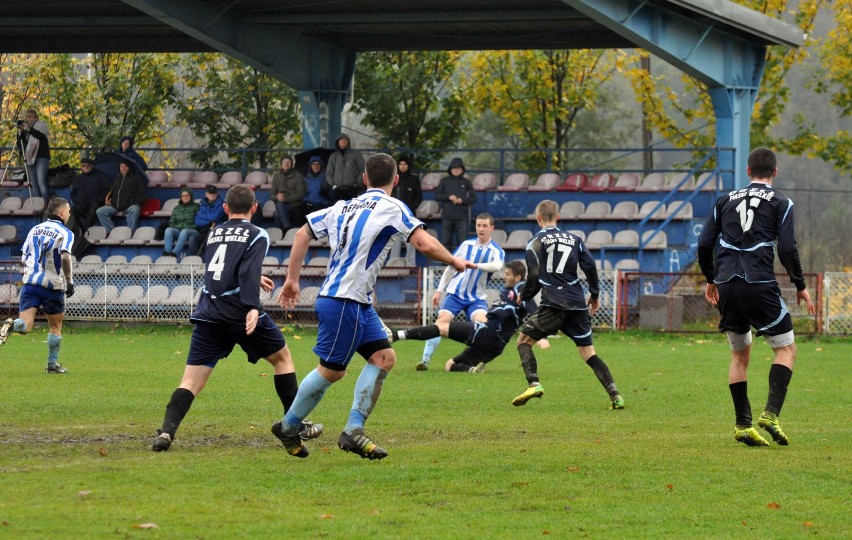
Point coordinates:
[[733, 109], [321, 117]]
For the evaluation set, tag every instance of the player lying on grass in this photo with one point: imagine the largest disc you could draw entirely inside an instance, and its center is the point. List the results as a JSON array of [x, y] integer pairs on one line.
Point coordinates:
[[485, 341]]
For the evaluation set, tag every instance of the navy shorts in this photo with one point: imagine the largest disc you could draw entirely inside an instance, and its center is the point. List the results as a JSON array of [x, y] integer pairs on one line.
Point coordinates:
[[547, 321], [743, 305], [347, 327], [52, 302], [455, 305], [213, 341], [483, 345]]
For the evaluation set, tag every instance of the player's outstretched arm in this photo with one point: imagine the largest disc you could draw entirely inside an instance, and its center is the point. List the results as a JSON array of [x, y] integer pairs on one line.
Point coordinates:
[[433, 249], [266, 283]]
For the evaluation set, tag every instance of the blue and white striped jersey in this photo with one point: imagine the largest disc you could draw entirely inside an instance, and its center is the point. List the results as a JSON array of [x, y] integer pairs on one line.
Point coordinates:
[[470, 284], [360, 233], [43, 254]]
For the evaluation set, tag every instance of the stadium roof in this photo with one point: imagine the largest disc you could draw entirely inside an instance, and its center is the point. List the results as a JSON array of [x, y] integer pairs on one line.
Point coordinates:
[[55, 26]]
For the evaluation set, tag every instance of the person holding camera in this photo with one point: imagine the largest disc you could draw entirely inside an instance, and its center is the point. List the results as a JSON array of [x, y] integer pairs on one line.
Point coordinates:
[[35, 149]]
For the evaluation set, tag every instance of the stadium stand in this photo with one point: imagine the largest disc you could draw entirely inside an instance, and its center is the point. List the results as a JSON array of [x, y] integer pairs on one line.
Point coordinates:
[[178, 179], [624, 210], [8, 234], [31, 206], [518, 239], [596, 210], [515, 182], [545, 182], [9, 205], [430, 181], [157, 178], [232, 178], [485, 181], [626, 182], [167, 209], [202, 178], [652, 182], [141, 236], [117, 236], [599, 182], [573, 182], [647, 210], [598, 238], [259, 179]]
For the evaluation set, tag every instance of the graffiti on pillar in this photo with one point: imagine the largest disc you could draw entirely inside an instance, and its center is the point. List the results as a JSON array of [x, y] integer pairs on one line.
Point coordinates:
[[674, 261], [323, 127], [310, 120]]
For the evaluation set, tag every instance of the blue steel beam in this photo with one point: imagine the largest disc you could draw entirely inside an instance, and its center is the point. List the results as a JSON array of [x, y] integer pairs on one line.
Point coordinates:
[[321, 73], [729, 65]]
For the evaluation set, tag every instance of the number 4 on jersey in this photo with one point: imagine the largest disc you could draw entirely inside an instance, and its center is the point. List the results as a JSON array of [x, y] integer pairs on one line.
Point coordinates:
[[217, 262]]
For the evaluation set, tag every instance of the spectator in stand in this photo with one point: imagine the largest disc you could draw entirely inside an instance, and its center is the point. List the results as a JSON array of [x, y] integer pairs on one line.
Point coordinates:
[[317, 190], [35, 149], [88, 191], [126, 195], [211, 212], [182, 230], [456, 195], [345, 167], [288, 191], [408, 190], [125, 150]]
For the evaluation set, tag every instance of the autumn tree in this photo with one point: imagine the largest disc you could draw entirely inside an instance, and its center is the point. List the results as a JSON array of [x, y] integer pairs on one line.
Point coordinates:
[[413, 100], [541, 94], [682, 113], [231, 105]]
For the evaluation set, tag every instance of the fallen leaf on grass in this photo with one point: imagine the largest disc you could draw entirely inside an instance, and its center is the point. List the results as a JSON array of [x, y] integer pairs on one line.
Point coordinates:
[[670, 486], [375, 512], [808, 524], [297, 337], [597, 441], [145, 526], [84, 494], [5, 523], [573, 469], [102, 451], [818, 349], [743, 522], [773, 505], [545, 533], [326, 516], [520, 484], [264, 375]]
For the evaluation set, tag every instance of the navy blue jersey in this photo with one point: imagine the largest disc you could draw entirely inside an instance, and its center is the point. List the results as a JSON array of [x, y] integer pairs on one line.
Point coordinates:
[[745, 229], [233, 259], [552, 260], [506, 315]]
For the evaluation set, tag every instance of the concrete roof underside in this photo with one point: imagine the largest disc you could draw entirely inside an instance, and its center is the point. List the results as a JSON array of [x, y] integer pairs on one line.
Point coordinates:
[[59, 26]]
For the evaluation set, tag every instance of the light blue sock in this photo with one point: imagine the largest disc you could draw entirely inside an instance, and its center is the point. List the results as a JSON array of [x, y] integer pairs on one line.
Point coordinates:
[[367, 390], [429, 348], [53, 343], [310, 393], [19, 326]]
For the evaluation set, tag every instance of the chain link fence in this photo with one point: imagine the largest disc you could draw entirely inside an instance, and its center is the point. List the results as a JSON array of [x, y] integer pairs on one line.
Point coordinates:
[[837, 288], [675, 302], [403, 296], [604, 318]]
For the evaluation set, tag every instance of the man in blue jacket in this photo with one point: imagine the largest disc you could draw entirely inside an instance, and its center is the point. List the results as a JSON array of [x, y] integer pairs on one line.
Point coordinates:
[[211, 213]]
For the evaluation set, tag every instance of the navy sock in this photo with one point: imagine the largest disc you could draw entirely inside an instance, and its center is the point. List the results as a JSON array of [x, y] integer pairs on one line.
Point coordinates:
[[602, 372], [422, 333], [176, 409], [528, 362], [286, 387], [779, 379], [742, 407]]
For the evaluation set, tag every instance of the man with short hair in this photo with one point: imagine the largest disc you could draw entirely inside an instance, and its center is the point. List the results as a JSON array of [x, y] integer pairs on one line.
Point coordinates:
[[344, 170], [48, 280], [211, 212], [736, 253], [288, 190], [485, 341], [553, 257], [466, 290], [229, 313], [360, 232], [88, 190]]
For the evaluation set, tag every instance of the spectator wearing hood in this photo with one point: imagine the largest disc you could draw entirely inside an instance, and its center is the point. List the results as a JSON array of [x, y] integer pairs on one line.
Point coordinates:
[[126, 195], [345, 170], [408, 190], [317, 190], [288, 190], [88, 190], [182, 230], [455, 193], [125, 150]]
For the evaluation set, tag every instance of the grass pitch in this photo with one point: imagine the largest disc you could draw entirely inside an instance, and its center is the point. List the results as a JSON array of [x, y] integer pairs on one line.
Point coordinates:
[[75, 459]]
